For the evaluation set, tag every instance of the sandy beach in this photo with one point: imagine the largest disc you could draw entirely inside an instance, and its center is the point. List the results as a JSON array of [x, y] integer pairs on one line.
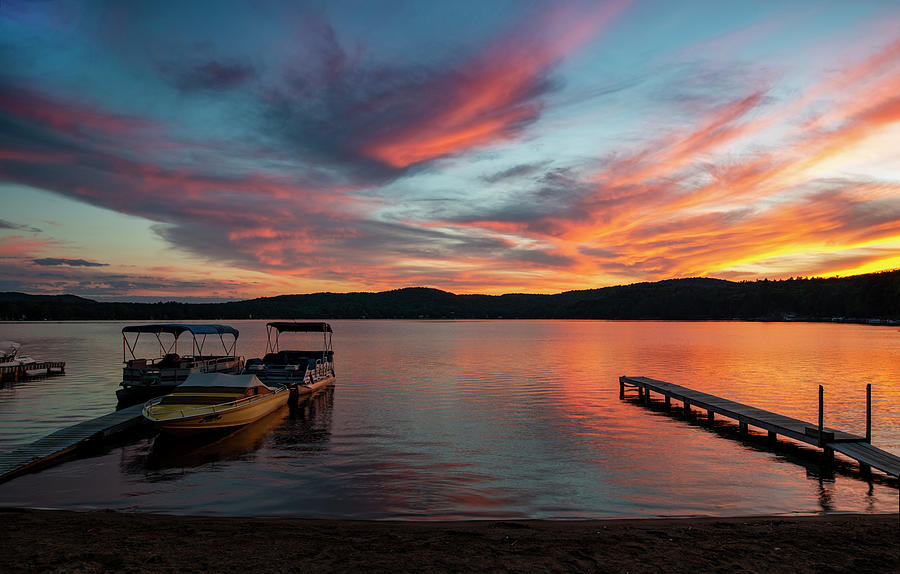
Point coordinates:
[[105, 541]]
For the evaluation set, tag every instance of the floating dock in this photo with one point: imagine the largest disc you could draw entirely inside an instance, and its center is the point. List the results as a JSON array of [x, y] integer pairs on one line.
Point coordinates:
[[41, 369], [828, 439], [66, 441]]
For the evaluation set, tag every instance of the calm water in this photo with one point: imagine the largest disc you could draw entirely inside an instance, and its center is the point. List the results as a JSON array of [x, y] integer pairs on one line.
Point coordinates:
[[482, 419]]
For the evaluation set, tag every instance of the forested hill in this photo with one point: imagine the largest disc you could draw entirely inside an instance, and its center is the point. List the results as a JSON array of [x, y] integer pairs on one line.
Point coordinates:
[[862, 297]]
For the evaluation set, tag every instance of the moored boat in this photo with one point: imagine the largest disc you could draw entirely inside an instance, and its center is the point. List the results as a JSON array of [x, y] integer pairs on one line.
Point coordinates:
[[214, 401], [144, 378], [304, 371]]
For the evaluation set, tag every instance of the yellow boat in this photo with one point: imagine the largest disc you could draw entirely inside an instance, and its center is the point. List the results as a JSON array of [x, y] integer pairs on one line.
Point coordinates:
[[212, 401]]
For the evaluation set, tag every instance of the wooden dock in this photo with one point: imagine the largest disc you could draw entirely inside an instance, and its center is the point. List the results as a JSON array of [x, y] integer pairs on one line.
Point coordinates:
[[66, 441], [41, 369], [829, 439]]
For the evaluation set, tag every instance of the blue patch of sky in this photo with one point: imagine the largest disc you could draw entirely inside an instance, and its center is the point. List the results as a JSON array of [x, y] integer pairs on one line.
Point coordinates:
[[80, 229]]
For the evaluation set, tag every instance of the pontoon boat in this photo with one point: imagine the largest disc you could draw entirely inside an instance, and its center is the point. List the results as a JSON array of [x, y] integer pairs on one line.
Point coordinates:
[[144, 378], [304, 371]]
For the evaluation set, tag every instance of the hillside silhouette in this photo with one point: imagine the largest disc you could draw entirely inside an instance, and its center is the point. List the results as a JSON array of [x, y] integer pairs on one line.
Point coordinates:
[[873, 296]]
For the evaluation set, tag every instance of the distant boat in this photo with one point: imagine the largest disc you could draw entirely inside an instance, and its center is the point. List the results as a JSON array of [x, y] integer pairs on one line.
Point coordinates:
[[214, 401], [14, 366], [144, 378], [303, 371], [10, 357]]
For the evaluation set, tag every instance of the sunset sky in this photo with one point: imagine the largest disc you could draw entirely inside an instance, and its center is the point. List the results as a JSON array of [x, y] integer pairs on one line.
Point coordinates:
[[226, 150]]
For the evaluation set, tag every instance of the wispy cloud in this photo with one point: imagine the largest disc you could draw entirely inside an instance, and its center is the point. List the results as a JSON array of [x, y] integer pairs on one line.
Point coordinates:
[[18, 226], [57, 261], [493, 96]]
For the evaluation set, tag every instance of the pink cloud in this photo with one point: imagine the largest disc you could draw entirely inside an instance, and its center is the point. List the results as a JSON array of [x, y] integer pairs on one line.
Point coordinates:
[[495, 94]]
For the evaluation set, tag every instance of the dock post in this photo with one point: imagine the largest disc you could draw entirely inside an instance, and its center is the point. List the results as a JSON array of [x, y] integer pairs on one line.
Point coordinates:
[[687, 409], [710, 416], [668, 401], [772, 439], [821, 416], [621, 389], [869, 413], [744, 428]]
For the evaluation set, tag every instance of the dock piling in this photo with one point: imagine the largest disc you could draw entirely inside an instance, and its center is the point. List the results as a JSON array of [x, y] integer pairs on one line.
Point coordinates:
[[869, 413], [821, 416]]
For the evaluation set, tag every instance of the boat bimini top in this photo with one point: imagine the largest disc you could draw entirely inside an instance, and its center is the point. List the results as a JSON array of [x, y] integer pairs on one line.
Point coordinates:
[[198, 337], [279, 327]]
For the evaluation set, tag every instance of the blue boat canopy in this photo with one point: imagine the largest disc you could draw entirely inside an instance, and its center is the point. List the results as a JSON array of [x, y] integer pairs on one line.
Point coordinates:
[[177, 329], [290, 327]]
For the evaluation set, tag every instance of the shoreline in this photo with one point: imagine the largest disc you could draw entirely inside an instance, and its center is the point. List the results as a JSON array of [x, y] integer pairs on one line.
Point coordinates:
[[98, 541]]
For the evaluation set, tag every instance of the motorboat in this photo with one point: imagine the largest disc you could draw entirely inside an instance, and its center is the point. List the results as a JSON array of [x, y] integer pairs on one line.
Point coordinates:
[[214, 401], [147, 377], [303, 371]]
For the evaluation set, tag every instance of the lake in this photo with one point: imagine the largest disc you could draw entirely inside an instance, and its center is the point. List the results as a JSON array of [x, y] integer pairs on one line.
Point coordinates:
[[483, 420]]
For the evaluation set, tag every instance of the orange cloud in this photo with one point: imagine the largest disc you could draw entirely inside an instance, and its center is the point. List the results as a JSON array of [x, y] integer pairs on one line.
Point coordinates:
[[496, 94]]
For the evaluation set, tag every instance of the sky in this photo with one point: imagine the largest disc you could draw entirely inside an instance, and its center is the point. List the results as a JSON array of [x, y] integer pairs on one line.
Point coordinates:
[[206, 151]]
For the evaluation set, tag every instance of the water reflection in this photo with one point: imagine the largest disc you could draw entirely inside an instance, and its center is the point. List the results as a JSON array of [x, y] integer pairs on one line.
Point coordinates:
[[308, 427], [174, 452], [432, 420], [301, 429]]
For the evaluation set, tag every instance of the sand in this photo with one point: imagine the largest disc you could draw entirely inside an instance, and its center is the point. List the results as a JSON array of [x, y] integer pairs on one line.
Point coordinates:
[[106, 541]]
